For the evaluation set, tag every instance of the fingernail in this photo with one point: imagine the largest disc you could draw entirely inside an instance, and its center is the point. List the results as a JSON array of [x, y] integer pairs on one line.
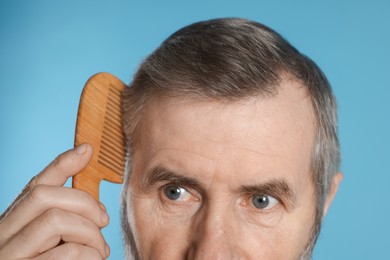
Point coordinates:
[[102, 206], [107, 250], [81, 149], [104, 215]]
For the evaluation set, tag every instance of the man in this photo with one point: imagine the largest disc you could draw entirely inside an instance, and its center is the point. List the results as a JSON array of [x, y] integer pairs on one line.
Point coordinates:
[[233, 154]]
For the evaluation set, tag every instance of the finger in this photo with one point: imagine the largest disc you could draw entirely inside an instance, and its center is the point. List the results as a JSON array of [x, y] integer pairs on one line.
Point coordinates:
[[64, 166], [56, 173], [46, 231], [44, 197], [70, 251]]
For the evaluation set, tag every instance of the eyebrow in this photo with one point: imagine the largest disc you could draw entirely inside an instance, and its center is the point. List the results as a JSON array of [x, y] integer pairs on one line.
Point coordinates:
[[276, 187], [163, 174]]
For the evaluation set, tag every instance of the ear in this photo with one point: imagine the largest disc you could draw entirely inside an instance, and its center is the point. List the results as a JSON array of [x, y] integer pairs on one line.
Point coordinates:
[[334, 186]]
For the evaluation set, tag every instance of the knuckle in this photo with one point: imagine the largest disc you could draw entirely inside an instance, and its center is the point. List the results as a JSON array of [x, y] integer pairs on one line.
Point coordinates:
[[33, 182], [53, 217], [88, 205], [57, 162], [39, 194], [88, 199]]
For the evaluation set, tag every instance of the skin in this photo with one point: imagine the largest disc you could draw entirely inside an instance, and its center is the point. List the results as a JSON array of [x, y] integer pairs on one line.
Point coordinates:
[[49, 221], [215, 158]]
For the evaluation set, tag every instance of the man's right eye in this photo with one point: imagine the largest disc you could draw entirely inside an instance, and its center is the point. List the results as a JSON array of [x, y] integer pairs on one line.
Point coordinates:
[[264, 202], [177, 193]]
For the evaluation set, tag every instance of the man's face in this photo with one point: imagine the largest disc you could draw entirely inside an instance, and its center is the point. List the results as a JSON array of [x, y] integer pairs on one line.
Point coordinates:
[[216, 180]]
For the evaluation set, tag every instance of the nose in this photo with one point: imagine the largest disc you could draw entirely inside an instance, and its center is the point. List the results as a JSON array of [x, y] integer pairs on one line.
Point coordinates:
[[211, 235]]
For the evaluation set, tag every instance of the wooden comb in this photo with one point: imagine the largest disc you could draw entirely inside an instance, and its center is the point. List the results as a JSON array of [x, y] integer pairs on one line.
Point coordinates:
[[99, 124]]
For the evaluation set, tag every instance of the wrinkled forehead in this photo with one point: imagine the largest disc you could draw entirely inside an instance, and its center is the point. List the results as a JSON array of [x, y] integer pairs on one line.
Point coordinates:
[[281, 124]]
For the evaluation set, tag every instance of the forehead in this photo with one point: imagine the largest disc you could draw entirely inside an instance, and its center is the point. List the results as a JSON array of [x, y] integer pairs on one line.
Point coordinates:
[[273, 132]]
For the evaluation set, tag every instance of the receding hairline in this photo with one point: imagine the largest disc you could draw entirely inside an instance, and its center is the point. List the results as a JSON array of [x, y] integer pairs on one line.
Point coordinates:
[[287, 80]]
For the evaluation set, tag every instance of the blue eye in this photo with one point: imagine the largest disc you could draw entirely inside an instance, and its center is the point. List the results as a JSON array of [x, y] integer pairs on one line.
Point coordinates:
[[264, 201], [176, 193]]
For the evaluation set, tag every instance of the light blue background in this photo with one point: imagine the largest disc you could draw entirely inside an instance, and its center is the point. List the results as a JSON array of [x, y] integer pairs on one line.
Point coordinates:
[[48, 49]]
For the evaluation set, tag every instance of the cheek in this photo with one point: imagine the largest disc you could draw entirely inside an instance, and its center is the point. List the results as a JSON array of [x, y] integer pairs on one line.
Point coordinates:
[[287, 240], [295, 231], [159, 237]]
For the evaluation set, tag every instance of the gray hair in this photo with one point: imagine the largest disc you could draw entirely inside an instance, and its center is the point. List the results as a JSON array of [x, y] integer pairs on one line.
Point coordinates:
[[226, 60]]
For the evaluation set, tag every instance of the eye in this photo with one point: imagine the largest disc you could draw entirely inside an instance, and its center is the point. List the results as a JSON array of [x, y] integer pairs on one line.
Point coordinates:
[[264, 201], [176, 193]]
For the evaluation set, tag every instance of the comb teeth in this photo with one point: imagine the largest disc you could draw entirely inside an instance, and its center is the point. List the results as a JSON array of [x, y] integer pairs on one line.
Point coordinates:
[[111, 151]]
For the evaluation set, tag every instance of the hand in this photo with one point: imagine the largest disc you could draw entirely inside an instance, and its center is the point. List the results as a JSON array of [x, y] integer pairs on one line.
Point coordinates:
[[49, 221]]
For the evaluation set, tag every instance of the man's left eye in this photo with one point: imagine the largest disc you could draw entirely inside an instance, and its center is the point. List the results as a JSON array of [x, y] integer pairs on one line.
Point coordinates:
[[176, 193], [264, 201]]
